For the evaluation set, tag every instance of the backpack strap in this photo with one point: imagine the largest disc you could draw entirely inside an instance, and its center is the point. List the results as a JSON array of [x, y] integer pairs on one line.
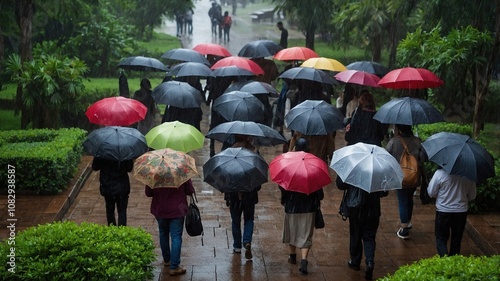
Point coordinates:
[[402, 140]]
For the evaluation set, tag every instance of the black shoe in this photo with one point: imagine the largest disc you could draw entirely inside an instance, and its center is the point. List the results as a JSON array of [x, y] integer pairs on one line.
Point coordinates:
[[303, 267], [292, 258], [353, 266], [248, 251], [369, 271], [403, 233]]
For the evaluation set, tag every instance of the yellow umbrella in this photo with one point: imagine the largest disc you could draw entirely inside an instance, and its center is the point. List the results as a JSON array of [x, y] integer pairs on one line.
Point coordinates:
[[324, 64]]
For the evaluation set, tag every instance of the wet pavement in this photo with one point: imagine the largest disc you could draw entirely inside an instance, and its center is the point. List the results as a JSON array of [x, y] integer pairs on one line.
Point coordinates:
[[211, 258]]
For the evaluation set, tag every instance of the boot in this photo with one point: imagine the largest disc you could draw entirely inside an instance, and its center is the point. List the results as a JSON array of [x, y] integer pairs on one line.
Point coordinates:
[[303, 267], [292, 258], [369, 271]]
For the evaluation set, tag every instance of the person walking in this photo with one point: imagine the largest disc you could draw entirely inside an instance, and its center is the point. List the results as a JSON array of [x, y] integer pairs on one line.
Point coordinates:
[[188, 21], [215, 14], [114, 187], [404, 137], [169, 206], [227, 21], [179, 20], [144, 96], [284, 35], [452, 193]]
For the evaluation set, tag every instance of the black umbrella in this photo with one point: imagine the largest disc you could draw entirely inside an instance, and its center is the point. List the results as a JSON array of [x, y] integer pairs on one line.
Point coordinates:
[[254, 88], [239, 106], [185, 55], [188, 69], [308, 73], [408, 111], [261, 133], [369, 66], [115, 143], [229, 71], [259, 49], [314, 117], [235, 170], [140, 63], [178, 94], [460, 155]]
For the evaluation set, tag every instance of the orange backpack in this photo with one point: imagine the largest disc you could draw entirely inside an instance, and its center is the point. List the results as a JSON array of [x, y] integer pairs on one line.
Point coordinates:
[[409, 166]]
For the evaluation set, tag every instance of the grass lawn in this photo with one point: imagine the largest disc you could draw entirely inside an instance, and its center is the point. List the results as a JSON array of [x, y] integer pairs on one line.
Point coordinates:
[[8, 121]]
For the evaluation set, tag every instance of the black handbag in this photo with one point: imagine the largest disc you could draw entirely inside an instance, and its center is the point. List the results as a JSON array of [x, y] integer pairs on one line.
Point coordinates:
[[319, 221], [343, 209], [194, 226]]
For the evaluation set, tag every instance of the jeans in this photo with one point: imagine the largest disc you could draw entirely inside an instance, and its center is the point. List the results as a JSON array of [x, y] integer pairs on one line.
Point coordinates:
[[171, 251], [405, 203], [121, 202], [226, 33], [248, 211], [362, 232], [444, 223]]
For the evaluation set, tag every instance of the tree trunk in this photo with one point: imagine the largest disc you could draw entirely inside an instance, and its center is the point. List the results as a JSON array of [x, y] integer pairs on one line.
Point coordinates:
[[310, 34], [377, 48]]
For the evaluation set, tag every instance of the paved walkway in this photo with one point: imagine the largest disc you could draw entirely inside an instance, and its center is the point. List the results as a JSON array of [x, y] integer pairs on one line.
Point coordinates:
[[213, 259]]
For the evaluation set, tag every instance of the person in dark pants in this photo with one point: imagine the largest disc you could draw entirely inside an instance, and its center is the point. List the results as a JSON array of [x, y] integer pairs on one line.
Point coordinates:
[[284, 35], [114, 186], [226, 25]]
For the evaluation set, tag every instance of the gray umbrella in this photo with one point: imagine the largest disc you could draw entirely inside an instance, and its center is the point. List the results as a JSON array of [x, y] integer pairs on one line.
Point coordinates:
[[308, 73], [115, 143], [259, 49], [253, 87], [140, 63], [408, 111], [240, 106], [261, 133], [314, 117], [369, 66], [232, 71], [185, 55], [188, 69], [178, 94]]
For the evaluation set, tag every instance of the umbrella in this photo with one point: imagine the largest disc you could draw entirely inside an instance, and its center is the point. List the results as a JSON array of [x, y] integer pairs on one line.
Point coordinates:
[[253, 87], [240, 106], [212, 49], [140, 63], [295, 54], [239, 62], [460, 155], [408, 111], [115, 143], [263, 134], [187, 69], [322, 63], [410, 78], [369, 66], [175, 135], [116, 111], [235, 170], [368, 167], [307, 73], [185, 55], [259, 49], [178, 94], [358, 77], [230, 71], [164, 168], [299, 171], [314, 117]]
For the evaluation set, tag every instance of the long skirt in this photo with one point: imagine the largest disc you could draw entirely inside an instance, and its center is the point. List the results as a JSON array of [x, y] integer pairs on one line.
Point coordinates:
[[298, 229]]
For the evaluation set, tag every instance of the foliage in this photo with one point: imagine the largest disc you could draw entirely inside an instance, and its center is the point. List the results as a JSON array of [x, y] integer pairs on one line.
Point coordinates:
[[426, 130], [449, 268], [45, 159], [67, 251]]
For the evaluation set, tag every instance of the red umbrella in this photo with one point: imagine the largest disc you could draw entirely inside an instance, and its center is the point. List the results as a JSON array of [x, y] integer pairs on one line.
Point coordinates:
[[358, 77], [116, 111], [296, 53], [299, 171], [212, 49], [410, 78], [239, 62]]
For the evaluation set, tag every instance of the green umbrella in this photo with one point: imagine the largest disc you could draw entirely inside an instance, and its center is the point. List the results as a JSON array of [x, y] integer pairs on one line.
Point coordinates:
[[175, 135]]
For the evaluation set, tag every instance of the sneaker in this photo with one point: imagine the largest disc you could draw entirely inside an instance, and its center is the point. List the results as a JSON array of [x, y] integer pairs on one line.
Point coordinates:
[[410, 226], [403, 233], [178, 271], [237, 250], [248, 251]]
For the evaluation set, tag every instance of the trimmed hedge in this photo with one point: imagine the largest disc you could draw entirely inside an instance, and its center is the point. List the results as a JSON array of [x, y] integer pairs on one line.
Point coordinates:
[[67, 251], [44, 159]]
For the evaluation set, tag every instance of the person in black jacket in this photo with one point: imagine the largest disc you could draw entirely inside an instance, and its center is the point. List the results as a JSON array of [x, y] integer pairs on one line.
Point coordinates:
[[114, 186]]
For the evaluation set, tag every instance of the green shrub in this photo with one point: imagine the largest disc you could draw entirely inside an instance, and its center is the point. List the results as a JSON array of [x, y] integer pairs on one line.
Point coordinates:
[[449, 268], [426, 130], [44, 160], [67, 251]]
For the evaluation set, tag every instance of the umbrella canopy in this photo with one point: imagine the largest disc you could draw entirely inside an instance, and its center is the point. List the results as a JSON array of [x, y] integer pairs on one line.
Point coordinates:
[[175, 135], [179, 94], [240, 106], [115, 143], [116, 111], [323, 63], [460, 155], [296, 54], [212, 49], [314, 117], [263, 134], [259, 49], [299, 171], [253, 87], [232, 71], [187, 69], [140, 63], [164, 168], [410, 78], [235, 170], [358, 77], [369, 66], [239, 62], [408, 111], [307, 73], [368, 167], [185, 55]]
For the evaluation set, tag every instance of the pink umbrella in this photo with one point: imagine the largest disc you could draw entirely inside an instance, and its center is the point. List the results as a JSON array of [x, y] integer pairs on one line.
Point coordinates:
[[358, 77], [296, 54], [239, 62], [212, 49]]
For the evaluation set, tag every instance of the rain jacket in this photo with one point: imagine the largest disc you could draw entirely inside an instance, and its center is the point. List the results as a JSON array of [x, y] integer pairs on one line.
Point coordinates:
[[296, 202], [113, 177], [170, 203], [365, 129]]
